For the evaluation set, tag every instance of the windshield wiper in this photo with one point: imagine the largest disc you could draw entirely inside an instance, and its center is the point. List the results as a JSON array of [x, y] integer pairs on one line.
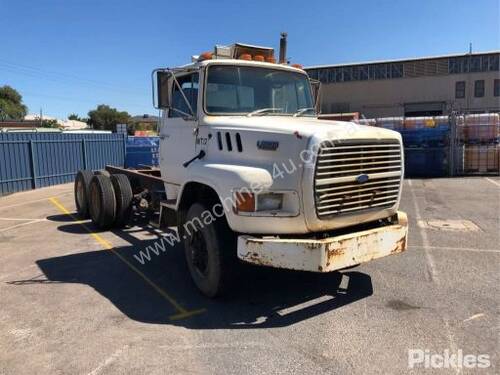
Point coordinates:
[[301, 111], [263, 111]]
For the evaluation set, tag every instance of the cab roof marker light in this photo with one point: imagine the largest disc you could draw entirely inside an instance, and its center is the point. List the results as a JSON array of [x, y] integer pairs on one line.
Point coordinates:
[[206, 56], [245, 56]]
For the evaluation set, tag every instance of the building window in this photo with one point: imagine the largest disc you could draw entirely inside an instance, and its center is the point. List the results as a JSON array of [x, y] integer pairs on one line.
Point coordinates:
[[494, 62], [475, 63], [460, 90], [479, 88], [323, 75], [397, 70], [496, 87], [313, 74], [347, 74]]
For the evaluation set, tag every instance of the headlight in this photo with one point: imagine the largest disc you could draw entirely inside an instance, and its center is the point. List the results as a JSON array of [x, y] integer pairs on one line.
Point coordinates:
[[281, 203], [269, 202]]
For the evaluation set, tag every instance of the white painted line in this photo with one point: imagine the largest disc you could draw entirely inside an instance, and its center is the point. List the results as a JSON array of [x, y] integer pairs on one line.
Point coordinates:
[[304, 305], [33, 201], [425, 240], [449, 248], [475, 316], [21, 219], [20, 225], [492, 181], [108, 361]]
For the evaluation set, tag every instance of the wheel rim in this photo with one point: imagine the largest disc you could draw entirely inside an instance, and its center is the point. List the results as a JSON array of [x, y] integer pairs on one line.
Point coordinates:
[[199, 253]]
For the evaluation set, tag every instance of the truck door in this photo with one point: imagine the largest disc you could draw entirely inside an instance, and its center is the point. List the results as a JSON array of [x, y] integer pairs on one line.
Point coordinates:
[[177, 136]]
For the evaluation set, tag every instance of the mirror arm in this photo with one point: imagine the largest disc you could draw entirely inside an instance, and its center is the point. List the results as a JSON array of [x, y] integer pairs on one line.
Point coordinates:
[[186, 115], [183, 95]]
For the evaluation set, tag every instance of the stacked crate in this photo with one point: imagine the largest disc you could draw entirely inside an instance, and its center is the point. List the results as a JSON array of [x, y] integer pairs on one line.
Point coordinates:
[[426, 141], [479, 143], [392, 123]]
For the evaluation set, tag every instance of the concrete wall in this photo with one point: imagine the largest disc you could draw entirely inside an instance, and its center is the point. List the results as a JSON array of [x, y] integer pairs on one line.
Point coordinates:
[[385, 98]]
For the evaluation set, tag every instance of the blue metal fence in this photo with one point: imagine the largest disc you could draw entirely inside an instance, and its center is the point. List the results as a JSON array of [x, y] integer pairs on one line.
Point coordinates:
[[33, 160]]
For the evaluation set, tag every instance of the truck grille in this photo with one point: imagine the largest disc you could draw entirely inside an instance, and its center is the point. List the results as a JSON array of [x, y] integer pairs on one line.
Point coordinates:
[[338, 187]]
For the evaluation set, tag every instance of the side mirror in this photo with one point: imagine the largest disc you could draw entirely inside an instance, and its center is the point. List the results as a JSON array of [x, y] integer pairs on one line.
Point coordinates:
[[161, 85]]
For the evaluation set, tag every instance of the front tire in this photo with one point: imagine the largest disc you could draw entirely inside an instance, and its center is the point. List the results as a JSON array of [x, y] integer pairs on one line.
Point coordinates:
[[210, 251]]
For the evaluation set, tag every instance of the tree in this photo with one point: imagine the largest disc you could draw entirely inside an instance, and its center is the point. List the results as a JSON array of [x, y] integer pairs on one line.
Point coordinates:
[[11, 104], [75, 117], [105, 118], [50, 124]]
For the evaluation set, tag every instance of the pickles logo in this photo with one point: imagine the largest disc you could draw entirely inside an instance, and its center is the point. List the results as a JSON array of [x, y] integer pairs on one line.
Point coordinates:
[[426, 359]]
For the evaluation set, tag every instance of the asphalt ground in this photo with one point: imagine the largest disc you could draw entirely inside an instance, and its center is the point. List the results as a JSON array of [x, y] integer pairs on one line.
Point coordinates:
[[76, 301]]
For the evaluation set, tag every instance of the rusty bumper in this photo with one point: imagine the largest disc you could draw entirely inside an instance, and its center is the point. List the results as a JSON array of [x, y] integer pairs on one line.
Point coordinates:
[[327, 254]]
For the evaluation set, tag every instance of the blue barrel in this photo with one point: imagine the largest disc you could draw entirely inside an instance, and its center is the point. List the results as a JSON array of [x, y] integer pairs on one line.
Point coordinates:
[[426, 162], [142, 151], [425, 137]]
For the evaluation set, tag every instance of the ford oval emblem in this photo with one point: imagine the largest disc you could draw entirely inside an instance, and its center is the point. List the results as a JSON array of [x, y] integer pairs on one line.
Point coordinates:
[[362, 178]]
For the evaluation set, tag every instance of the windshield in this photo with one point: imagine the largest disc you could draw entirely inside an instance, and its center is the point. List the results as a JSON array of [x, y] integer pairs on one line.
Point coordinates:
[[257, 91]]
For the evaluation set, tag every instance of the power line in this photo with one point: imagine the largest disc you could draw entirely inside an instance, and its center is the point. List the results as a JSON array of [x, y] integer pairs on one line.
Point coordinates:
[[77, 100], [58, 77]]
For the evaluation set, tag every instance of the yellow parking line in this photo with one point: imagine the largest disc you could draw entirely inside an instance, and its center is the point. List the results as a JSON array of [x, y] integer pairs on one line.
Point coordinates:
[[182, 313]]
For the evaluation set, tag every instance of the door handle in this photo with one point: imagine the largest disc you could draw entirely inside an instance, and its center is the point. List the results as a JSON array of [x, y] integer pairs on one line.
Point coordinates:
[[200, 155]]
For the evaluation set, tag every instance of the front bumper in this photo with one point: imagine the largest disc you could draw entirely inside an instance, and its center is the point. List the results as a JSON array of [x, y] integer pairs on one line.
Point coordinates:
[[326, 254]]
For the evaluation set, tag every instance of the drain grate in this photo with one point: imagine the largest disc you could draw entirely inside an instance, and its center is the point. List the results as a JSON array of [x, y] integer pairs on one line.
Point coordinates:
[[451, 225]]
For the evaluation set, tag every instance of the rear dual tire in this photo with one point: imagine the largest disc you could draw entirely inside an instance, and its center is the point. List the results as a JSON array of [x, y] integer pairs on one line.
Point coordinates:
[[123, 198], [102, 202], [106, 199], [82, 184]]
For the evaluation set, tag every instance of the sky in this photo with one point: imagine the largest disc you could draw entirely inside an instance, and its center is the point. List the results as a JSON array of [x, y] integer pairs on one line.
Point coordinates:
[[68, 56]]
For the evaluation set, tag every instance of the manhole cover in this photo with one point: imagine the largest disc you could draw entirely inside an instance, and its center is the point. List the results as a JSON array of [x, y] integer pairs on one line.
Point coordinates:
[[452, 225]]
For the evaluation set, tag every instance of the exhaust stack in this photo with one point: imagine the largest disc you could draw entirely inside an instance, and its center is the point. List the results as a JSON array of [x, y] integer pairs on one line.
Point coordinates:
[[282, 58]]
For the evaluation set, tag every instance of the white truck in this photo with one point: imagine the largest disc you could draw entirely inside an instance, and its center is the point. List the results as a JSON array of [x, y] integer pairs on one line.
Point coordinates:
[[248, 173]]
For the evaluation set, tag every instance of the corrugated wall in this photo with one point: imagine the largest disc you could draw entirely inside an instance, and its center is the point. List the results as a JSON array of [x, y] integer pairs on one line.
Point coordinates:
[[33, 160]]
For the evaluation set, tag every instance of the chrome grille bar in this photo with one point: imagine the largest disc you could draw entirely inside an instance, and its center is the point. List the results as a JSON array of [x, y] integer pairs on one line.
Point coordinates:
[[336, 188]]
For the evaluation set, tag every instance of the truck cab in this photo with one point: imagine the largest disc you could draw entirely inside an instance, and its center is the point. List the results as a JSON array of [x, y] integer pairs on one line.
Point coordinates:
[[251, 174]]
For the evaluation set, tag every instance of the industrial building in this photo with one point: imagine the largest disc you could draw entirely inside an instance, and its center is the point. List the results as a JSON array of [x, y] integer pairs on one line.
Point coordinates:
[[429, 86]]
